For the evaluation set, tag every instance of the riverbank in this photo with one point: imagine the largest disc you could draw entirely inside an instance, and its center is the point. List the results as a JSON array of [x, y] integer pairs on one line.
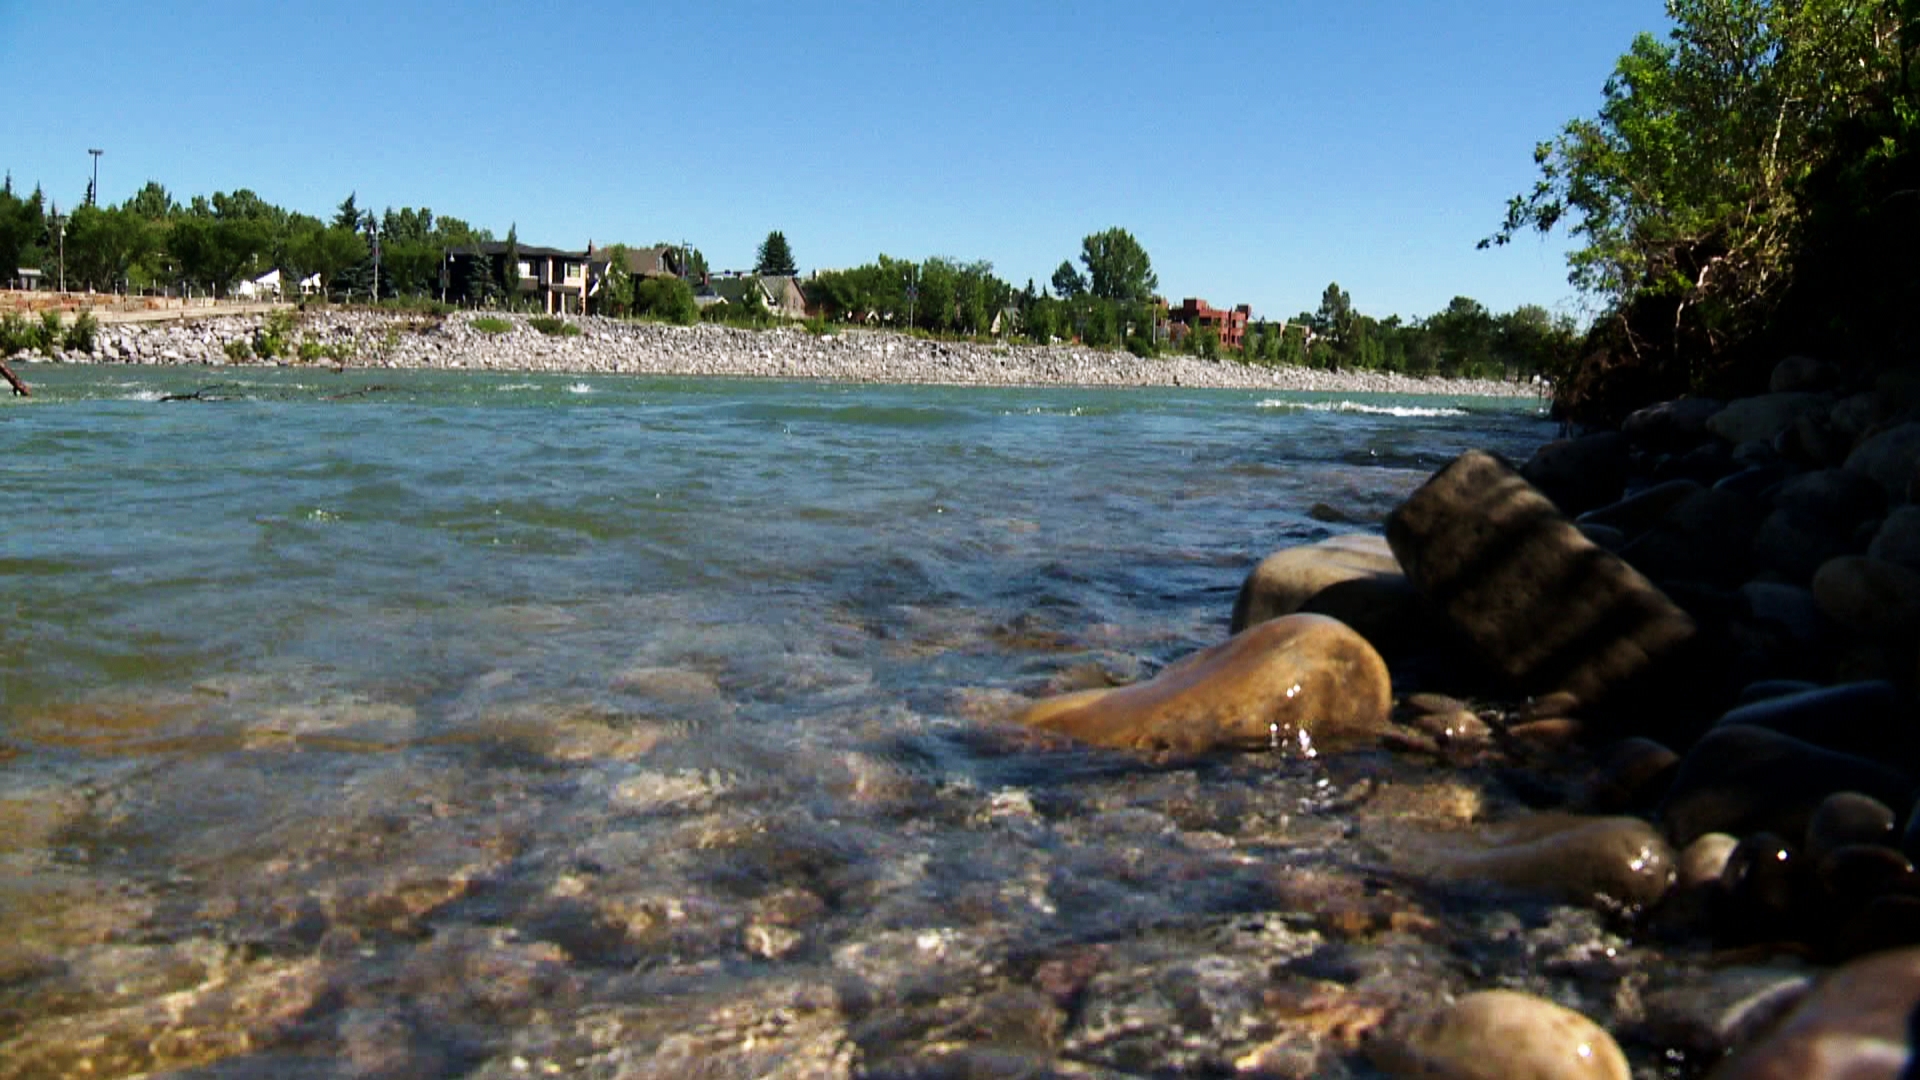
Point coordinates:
[[374, 340]]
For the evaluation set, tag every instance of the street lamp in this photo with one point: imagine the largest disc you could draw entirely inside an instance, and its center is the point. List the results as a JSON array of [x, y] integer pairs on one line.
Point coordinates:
[[93, 189], [60, 227]]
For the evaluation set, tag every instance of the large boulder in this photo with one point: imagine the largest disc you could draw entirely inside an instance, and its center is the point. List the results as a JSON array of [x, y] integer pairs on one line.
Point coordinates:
[[1300, 684], [1544, 605], [1671, 425]]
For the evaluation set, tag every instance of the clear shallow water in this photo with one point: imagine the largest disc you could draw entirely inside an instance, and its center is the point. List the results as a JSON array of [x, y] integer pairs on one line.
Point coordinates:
[[319, 673]]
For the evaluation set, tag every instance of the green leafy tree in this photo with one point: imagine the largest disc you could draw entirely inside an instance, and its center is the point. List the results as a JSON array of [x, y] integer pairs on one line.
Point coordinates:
[[103, 245], [1685, 194], [667, 298], [152, 202], [1067, 282], [1118, 267], [775, 257], [214, 253], [327, 250], [22, 227]]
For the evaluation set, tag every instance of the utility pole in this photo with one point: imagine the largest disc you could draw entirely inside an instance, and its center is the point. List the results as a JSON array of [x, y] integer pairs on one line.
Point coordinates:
[[93, 189]]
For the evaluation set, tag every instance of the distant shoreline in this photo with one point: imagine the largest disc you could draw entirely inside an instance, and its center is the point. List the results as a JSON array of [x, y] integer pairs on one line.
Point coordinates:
[[373, 340]]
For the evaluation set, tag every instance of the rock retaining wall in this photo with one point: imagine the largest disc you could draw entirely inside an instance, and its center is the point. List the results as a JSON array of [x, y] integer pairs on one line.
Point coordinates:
[[382, 340]]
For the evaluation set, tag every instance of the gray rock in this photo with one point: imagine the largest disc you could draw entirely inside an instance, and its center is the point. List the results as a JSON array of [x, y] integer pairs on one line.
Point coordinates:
[[1671, 425], [1889, 459], [1799, 373], [1898, 540], [1869, 596], [1764, 417]]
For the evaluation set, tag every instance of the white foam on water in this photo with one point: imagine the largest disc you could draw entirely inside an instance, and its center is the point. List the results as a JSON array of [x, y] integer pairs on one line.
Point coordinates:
[[580, 388], [522, 386], [143, 395], [1360, 407]]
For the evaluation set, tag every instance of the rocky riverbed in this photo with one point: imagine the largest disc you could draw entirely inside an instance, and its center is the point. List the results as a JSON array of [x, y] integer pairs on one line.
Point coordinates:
[[608, 346]]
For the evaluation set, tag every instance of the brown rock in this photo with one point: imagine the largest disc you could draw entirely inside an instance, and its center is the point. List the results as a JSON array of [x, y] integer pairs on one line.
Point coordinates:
[[1612, 863], [1855, 1023], [1353, 578], [1761, 418], [1545, 606], [1499, 1035], [1302, 683]]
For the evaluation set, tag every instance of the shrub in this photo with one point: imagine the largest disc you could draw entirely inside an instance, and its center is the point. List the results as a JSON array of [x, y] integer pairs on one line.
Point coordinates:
[[553, 326], [47, 335], [15, 335], [238, 350], [270, 341], [670, 299], [818, 326], [80, 335], [491, 324], [1142, 347]]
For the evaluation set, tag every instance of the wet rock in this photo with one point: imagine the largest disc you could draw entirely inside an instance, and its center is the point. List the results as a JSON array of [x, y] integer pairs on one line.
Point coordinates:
[[1704, 862], [1722, 1009], [1542, 604], [1869, 719], [1842, 497], [1764, 417], [1868, 596], [1499, 1035], [1790, 609], [1671, 425], [1580, 474], [1889, 458], [1848, 817], [1301, 683], [1631, 776], [1855, 1023], [1743, 778], [1352, 578], [1767, 892], [1853, 876], [1613, 863]]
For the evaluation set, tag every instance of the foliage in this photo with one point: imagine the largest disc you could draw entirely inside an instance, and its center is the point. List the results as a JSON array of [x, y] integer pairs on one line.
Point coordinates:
[[491, 324], [47, 335], [554, 326], [270, 340], [312, 351], [238, 350], [23, 227], [1141, 346], [818, 326], [615, 296], [1118, 267], [103, 245], [1692, 192], [1204, 343], [80, 333], [15, 335], [669, 299], [1067, 282], [775, 257]]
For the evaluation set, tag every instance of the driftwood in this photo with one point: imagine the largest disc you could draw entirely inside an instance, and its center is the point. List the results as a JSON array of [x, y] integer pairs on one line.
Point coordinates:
[[205, 393], [19, 388]]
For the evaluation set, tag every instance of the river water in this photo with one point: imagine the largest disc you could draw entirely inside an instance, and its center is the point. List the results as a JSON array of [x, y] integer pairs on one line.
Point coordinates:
[[423, 724]]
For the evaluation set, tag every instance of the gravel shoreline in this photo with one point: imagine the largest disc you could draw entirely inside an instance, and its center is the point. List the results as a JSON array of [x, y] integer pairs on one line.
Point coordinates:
[[381, 340]]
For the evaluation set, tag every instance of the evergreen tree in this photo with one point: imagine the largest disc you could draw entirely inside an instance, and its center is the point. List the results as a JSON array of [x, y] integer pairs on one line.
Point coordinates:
[[775, 257]]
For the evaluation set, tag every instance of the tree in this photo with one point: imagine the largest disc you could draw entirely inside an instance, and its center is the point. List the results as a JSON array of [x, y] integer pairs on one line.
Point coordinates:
[[1685, 192], [22, 227], [1067, 282], [104, 244], [327, 250], [666, 298], [152, 202], [215, 254], [1118, 267], [775, 257], [512, 271]]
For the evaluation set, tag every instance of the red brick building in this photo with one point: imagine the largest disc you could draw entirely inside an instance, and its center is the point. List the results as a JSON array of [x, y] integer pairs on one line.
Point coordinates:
[[1194, 314]]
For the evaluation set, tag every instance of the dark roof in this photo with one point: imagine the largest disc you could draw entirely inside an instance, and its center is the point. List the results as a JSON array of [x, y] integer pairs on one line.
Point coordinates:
[[500, 248]]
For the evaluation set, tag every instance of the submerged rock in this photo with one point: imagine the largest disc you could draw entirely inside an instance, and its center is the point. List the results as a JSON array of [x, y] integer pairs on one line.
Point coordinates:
[[1302, 683], [1500, 1035], [1613, 863], [1856, 1023]]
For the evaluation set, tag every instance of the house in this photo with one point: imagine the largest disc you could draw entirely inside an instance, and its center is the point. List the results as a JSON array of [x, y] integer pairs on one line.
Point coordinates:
[[781, 295], [264, 287], [640, 264], [1193, 314], [553, 279]]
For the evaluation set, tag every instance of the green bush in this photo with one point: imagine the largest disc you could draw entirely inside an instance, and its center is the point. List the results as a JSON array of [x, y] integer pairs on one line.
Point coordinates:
[[47, 335], [491, 324], [818, 326], [15, 335], [554, 326], [670, 299], [1142, 347], [238, 350], [80, 335], [270, 341]]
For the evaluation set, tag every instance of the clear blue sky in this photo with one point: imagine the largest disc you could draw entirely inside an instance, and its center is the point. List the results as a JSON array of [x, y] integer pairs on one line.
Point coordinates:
[[1257, 150]]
